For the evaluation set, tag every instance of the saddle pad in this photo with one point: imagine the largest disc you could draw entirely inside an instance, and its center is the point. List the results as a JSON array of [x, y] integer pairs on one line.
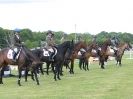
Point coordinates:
[[51, 50], [79, 53], [10, 54], [93, 51], [45, 52]]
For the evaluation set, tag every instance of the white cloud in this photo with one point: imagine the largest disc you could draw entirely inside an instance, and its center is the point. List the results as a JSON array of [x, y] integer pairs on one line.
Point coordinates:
[[90, 15]]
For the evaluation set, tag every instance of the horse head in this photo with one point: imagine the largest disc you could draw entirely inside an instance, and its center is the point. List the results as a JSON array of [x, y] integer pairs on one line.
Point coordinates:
[[128, 46]]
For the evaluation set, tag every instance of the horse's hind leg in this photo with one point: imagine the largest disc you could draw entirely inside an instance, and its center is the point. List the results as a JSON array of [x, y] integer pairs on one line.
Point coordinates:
[[26, 75], [36, 78], [41, 69]]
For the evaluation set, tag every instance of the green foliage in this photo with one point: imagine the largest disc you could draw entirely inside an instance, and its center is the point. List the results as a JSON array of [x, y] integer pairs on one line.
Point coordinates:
[[33, 39]]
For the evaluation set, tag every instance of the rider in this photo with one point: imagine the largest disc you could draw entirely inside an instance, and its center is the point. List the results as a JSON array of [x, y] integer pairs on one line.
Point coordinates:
[[115, 42], [17, 43], [94, 39], [50, 44]]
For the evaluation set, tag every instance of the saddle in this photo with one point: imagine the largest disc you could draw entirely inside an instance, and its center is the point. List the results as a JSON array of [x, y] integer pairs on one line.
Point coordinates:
[[48, 51], [81, 51], [11, 53]]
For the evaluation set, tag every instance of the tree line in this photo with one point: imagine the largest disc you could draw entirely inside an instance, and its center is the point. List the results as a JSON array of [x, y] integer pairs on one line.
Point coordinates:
[[35, 39]]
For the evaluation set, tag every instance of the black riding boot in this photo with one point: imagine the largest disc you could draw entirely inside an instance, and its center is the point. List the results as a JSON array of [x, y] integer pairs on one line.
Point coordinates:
[[51, 57], [14, 56]]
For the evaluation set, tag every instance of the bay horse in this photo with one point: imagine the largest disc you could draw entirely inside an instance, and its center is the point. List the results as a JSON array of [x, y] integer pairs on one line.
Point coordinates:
[[120, 51], [26, 60], [75, 55], [102, 52], [89, 53]]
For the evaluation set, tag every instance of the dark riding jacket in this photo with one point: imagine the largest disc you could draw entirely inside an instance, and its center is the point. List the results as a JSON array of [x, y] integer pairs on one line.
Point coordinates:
[[17, 41]]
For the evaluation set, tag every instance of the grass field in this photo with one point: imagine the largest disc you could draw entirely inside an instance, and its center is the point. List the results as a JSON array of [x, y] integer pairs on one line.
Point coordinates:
[[112, 83]]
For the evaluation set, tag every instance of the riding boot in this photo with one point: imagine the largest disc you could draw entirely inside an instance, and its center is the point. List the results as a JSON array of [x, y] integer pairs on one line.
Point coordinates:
[[51, 57], [14, 57]]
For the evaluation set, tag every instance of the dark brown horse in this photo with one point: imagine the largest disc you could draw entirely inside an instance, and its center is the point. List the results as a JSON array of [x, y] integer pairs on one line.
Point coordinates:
[[75, 55], [26, 60], [89, 53], [120, 51], [102, 52]]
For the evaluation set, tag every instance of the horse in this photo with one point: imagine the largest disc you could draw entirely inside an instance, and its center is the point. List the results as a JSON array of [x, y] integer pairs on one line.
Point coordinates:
[[26, 60], [75, 55], [59, 57], [102, 52], [39, 53], [120, 51], [85, 56]]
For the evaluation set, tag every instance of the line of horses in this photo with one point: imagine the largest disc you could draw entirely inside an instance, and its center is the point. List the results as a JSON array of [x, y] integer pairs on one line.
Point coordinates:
[[67, 52]]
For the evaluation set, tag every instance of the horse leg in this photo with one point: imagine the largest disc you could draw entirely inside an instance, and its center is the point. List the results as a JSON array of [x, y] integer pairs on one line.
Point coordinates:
[[61, 70], [72, 66], [55, 73], [58, 71], [36, 77], [80, 63], [41, 69], [1, 75], [26, 75], [19, 76], [87, 65], [102, 65], [47, 68], [120, 62]]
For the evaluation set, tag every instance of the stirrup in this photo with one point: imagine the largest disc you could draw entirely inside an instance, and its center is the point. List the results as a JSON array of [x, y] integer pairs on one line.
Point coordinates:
[[51, 59], [14, 60]]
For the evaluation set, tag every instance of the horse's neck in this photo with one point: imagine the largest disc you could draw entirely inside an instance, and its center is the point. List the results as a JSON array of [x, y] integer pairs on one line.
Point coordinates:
[[62, 49], [90, 47], [124, 47], [104, 47]]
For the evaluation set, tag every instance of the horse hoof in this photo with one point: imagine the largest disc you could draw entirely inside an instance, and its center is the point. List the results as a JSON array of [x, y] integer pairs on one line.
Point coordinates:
[[38, 84], [1, 82], [61, 74], [19, 84], [59, 78]]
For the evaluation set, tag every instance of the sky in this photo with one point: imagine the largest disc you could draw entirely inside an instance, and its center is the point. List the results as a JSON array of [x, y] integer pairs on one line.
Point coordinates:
[[79, 16]]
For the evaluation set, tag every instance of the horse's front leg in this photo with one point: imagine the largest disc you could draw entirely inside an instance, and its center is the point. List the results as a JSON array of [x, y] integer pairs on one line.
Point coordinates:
[[19, 76], [87, 65], [72, 66], [1, 75], [55, 73]]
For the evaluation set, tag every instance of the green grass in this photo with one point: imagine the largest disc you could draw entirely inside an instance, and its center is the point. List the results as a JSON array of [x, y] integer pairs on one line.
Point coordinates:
[[112, 83]]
